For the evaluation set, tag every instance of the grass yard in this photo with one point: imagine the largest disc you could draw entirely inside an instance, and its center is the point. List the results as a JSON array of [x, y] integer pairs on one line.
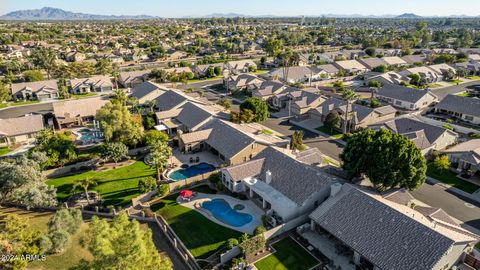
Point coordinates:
[[451, 179], [333, 133], [3, 105], [200, 235], [289, 255], [116, 187], [473, 78], [434, 85], [465, 95], [267, 131], [72, 255], [259, 71], [25, 102], [455, 81], [4, 151], [84, 95]]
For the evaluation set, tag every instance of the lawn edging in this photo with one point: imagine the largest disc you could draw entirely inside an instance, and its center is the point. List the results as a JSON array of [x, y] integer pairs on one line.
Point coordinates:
[[455, 190]]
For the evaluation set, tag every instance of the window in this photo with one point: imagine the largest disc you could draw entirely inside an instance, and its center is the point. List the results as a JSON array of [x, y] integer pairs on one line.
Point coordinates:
[[398, 102], [468, 118]]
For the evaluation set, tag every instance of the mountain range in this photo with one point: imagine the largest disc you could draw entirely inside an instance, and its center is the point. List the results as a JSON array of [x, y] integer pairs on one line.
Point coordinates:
[[48, 13]]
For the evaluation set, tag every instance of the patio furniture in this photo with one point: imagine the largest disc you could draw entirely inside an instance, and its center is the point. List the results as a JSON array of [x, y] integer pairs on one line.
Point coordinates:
[[197, 159], [191, 159]]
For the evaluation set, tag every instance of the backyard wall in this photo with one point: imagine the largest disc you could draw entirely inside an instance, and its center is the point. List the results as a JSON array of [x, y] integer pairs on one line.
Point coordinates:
[[57, 172], [456, 128]]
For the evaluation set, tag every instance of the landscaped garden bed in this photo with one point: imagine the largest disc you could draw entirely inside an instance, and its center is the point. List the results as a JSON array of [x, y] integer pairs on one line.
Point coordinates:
[[200, 235], [288, 255]]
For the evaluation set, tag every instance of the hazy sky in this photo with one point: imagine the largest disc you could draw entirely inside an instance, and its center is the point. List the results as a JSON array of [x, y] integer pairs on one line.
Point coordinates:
[[179, 8]]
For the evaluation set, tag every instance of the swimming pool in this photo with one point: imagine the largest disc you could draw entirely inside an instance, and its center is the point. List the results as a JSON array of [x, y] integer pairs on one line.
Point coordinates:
[[88, 135], [191, 171], [222, 211]]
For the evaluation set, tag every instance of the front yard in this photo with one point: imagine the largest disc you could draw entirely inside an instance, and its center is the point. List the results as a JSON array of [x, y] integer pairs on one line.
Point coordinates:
[[117, 186], [200, 235], [4, 151], [333, 133], [289, 255], [448, 177]]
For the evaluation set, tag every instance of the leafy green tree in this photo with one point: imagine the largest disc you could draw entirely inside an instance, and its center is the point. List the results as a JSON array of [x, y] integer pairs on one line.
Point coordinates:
[[22, 182], [259, 230], [153, 136], [388, 159], [85, 184], [18, 238], [257, 106], [44, 58], [118, 125], [103, 67], [147, 184], [115, 151], [218, 70], [59, 147], [69, 220], [442, 163], [4, 93], [163, 189], [160, 152], [231, 243], [33, 76], [380, 69], [247, 116], [370, 51], [210, 73], [332, 120], [122, 244], [225, 102], [60, 240], [273, 46]]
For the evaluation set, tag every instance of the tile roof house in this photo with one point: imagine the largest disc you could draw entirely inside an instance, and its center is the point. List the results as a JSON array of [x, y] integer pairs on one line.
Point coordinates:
[[268, 88], [471, 68], [132, 78], [414, 59], [242, 81], [147, 91], [428, 74], [425, 136], [303, 101], [390, 77], [441, 68], [361, 116], [372, 62], [171, 99], [92, 84], [77, 112], [41, 90], [20, 130], [232, 143], [187, 118], [394, 61], [351, 66], [296, 74], [466, 155], [389, 235], [405, 98], [286, 183], [240, 66], [328, 69], [463, 108]]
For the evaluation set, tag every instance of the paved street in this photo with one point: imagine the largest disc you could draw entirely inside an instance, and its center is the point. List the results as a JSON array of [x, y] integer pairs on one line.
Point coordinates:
[[17, 111], [455, 205], [454, 89], [326, 146]]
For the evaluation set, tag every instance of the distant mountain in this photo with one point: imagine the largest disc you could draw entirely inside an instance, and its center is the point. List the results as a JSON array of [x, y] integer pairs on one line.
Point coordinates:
[[225, 15], [48, 13], [408, 16]]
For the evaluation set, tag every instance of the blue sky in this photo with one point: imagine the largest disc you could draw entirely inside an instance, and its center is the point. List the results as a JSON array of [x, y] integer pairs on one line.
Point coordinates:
[[179, 8]]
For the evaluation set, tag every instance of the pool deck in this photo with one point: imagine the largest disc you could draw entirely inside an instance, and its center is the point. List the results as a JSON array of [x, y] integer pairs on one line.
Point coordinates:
[[250, 208]]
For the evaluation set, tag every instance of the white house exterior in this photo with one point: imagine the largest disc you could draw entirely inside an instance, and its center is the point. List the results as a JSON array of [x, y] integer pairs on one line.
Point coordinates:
[[406, 98]]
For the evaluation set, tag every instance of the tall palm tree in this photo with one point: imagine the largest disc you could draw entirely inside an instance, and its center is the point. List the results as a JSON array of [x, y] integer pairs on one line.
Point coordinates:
[[160, 152], [115, 75], [85, 184], [348, 95]]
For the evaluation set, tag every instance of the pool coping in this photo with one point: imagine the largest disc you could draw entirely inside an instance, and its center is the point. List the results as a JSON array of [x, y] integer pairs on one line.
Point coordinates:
[[248, 228], [169, 172]]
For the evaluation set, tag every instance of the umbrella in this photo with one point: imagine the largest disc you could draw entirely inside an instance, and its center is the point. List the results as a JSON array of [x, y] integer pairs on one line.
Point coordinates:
[[186, 193]]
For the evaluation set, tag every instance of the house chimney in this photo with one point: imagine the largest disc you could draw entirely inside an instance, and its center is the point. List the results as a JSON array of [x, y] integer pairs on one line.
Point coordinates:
[[334, 189], [268, 177]]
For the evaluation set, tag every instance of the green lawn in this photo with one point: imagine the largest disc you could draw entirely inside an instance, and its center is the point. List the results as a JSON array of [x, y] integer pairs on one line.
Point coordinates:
[[4, 151], [434, 85], [465, 95], [84, 95], [267, 131], [200, 235], [205, 79], [3, 105], [25, 102], [116, 187], [451, 179], [455, 81], [474, 78], [259, 71], [335, 134], [289, 255]]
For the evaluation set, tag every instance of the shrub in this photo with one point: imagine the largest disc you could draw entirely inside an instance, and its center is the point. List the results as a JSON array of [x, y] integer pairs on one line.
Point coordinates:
[[232, 242], [147, 184], [243, 238], [252, 245], [447, 126], [163, 190], [442, 163], [60, 240], [214, 178], [69, 220], [259, 230]]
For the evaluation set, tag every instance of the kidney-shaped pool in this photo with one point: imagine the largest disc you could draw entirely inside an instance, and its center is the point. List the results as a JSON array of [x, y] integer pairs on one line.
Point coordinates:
[[222, 211]]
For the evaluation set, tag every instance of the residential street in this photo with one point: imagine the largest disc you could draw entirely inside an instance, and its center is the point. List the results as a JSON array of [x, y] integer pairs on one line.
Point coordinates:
[[458, 207], [17, 111], [454, 89]]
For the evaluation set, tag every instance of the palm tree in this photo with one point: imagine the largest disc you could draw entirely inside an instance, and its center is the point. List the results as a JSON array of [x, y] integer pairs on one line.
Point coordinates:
[[160, 152], [115, 75], [348, 95], [151, 104], [85, 184], [120, 96]]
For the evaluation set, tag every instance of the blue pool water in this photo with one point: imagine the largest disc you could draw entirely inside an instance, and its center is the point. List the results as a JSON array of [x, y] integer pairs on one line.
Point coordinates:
[[222, 211], [191, 171]]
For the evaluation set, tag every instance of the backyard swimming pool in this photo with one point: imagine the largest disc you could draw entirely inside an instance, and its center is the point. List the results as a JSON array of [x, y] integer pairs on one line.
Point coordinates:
[[222, 211], [191, 171]]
